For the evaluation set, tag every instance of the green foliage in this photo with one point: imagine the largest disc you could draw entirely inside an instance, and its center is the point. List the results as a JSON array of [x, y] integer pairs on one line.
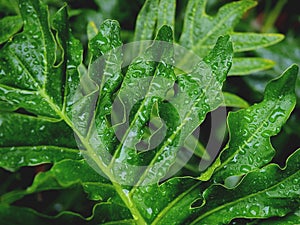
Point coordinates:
[[200, 31], [91, 126]]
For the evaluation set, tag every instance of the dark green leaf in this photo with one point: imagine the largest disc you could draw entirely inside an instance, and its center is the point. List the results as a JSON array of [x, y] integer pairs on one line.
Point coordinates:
[[256, 196], [9, 26], [252, 128], [232, 100], [244, 66], [251, 41]]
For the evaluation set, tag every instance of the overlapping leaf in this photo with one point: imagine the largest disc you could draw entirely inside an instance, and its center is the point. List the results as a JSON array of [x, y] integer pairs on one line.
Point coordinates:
[[200, 30], [250, 129], [103, 213], [256, 196], [284, 54], [32, 82], [180, 200]]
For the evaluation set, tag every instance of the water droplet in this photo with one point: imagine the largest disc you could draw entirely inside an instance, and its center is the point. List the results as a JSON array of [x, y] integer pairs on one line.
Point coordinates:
[[242, 151], [296, 181], [276, 115], [250, 159], [256, 145], [266, 210], [248, 118], [245, 168], [245, 132], [282, 186], [266, 133], [254, 210], [149, 211]]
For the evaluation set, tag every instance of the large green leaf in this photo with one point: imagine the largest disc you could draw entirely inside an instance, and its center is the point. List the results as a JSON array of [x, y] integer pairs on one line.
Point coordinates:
[[201, 90], [250, 129], [180, 200], [28, 74], [103, 213], [49, 110], [9, 26], [290, 219], [200, 30], [284, 54], [256, 196], [145, 22]]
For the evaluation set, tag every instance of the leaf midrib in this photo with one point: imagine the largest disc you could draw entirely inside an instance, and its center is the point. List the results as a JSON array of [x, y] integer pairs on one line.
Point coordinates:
[[41, 89], [172, 137], [171, 204], [142, 105], [216, 27]]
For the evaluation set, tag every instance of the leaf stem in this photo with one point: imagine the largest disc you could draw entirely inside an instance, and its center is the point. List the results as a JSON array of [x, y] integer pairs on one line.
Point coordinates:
[[273, 16]]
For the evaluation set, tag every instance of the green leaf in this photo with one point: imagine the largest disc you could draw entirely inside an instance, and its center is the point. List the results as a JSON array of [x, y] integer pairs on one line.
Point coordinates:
[[166, 14], [250, 129], [171, 201], [180, 200], [284, 54], [244, 66], [256, 196], [104, 213], [9, 26], [131, 128], [290, 219], [232, 100], [28, 72], [19, 133], [64, 174], [200, 30], [125, 155], [145, 22], [147, 72], [251, 41], [27, 75], [13, 158]]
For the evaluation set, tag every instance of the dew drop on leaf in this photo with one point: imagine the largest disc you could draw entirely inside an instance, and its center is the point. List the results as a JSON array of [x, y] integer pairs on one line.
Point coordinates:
[[266, 210], [254, 210], [250, 159], [242, 151], [266, 133], [296, 181], [276, 115], [282, 186], [245, 168]]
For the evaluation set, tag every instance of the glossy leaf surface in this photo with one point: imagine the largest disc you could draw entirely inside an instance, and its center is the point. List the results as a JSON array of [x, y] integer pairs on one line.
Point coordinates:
[[104, 136], [253, 127], [256, 196]]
